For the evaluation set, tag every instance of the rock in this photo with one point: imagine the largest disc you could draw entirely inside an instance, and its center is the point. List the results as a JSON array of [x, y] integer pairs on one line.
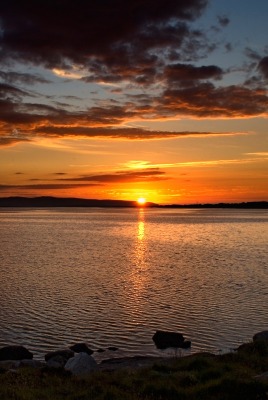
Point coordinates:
[[65, 353], [9, 364], [164, 339], [260, 336], [81, 348], [186, 344], [81, 364], [31, 363], [56, 362], [246, 347], [112, 348], [15, 353], [100, 350]]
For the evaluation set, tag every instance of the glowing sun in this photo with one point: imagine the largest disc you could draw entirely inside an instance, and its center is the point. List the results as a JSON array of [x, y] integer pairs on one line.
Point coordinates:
[[141, 201]]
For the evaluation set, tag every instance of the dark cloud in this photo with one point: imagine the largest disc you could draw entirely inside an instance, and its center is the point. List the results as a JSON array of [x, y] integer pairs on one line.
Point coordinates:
[[252, 54], [187, 74], [24, 78], [223, 20], [150, 45], [51, 31], [263, 67], [114, 40], [10, 91], [205, 100], [148, 174], [45, 186], [108, 132], [228, 47], [187, 91]]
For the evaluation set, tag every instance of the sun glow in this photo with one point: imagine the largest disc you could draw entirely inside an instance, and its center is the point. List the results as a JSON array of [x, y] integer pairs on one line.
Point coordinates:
[[141, 201]]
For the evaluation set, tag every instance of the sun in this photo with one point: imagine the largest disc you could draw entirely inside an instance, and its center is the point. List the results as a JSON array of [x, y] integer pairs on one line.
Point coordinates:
[[141, 201]]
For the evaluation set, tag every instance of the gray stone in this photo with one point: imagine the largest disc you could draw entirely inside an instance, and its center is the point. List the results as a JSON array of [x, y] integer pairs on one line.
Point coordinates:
[[81, 364], [15, 353], [260, 336]]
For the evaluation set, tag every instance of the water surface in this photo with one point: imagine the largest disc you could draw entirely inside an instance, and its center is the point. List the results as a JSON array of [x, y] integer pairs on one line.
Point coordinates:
[[112, 277]]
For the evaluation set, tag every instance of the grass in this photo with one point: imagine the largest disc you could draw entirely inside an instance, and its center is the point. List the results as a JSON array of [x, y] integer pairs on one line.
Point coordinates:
[[201, 376]]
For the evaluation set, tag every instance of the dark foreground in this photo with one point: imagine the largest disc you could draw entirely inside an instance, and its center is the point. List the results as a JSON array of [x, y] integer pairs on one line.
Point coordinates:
[[240, 375]]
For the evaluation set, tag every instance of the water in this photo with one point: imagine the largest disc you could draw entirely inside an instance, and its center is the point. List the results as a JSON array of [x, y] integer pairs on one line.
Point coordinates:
[[112, 277]]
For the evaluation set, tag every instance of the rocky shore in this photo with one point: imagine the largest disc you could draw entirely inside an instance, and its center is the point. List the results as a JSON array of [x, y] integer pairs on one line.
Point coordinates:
[[78, 360]]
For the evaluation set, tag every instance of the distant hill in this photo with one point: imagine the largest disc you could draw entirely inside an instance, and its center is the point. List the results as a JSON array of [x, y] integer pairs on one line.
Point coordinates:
[[250, 204], [48, 201]]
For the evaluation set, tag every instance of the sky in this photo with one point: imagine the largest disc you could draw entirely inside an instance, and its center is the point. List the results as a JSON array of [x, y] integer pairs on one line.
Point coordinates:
[[115, 99]]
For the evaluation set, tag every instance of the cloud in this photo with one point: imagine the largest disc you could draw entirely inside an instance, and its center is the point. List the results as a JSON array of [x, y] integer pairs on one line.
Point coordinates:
[[145, 50], [206, 100], [89, 33], [104, 133], [223, 20], [45, 186], [24, 78], [187, 74], [145, 175], [263, 67]]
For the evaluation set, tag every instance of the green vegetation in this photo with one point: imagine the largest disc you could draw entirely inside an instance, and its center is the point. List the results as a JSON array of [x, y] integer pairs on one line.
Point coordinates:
[[203, 376]]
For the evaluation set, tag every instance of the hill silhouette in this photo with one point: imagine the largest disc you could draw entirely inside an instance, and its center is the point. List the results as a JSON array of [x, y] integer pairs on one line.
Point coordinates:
[[49, 201]]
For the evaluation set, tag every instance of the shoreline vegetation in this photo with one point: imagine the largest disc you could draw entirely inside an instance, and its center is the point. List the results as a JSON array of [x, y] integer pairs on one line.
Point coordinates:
[[49, 201], [242, 374]]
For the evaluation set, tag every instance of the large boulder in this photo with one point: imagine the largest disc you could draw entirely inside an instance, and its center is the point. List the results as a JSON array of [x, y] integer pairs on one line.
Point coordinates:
[[15, 353], [56, 362], [81, 348], [65, 354], [81, 364], [263, 335], [164, 339]]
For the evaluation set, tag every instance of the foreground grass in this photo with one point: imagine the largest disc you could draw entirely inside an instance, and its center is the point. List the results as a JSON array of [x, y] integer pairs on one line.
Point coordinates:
[[225, 377]]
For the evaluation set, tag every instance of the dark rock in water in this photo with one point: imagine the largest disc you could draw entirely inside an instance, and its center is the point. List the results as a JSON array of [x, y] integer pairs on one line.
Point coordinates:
[[112, 348], [15, 353], [66, 354], [100, 351], [164, 339], [81, 348], [186, 344], [260, 336]]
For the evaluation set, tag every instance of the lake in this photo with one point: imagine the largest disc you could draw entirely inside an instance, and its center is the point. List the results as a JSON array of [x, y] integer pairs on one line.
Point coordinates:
[[112, 277]]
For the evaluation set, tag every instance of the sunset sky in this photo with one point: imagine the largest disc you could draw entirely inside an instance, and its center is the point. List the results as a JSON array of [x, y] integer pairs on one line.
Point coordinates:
[[116, 99]]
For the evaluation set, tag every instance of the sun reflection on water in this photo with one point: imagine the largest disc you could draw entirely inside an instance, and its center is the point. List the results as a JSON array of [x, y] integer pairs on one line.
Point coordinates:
[[139, 275], [141, 226]]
